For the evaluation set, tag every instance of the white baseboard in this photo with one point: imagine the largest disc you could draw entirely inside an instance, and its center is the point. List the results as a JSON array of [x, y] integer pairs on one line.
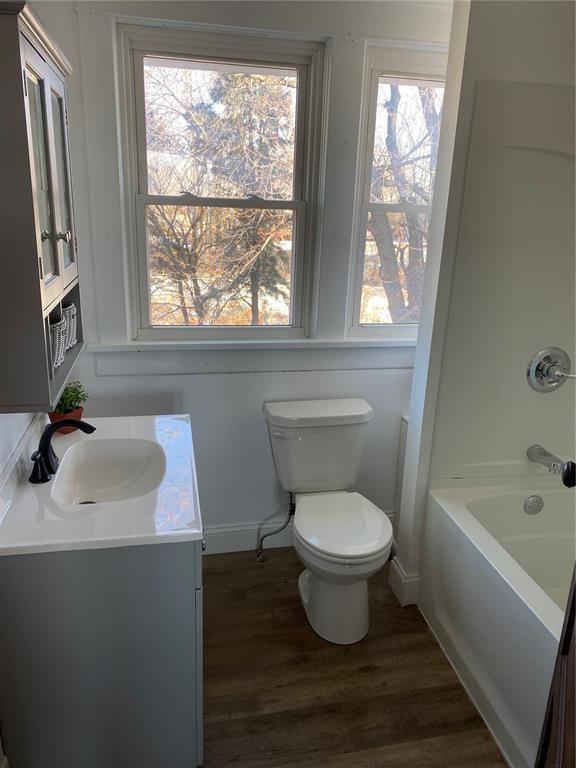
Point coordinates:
[[244, 536], [240, 537], [405, 586]]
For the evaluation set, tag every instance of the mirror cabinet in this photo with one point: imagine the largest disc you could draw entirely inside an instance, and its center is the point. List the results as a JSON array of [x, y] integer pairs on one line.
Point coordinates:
[[41, 334]]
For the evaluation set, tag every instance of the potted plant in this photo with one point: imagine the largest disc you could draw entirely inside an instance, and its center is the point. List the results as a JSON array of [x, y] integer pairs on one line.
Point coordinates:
[[70, 405]]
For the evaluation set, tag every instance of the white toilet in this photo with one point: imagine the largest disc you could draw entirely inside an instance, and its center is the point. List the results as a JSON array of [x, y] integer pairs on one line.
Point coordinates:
[[341, 537]]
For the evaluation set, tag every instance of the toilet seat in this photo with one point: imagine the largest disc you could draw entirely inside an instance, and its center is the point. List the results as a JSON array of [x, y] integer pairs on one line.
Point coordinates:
[[305, 549], [342, 526]]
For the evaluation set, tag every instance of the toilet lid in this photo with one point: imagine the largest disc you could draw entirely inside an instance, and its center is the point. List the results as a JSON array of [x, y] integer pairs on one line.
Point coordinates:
[[342, 524]]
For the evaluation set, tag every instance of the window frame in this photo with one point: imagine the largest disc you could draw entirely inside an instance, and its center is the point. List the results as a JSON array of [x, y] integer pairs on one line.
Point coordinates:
[[307, 57], [417, 65]]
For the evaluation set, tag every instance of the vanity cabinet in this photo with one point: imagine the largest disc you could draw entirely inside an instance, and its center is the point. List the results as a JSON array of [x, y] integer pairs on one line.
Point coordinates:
[[101, 657], [39, 254]]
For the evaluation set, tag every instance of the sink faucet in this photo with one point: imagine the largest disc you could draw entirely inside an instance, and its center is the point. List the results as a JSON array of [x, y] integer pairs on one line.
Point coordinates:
[[45, 460], [567, 469]]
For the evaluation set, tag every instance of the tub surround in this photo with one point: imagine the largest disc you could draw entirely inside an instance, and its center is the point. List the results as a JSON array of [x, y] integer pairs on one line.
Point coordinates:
[[33, 522]]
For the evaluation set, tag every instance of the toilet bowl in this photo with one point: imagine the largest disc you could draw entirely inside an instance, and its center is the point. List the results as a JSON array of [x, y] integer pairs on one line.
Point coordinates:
[[341, 537], [342, 540]]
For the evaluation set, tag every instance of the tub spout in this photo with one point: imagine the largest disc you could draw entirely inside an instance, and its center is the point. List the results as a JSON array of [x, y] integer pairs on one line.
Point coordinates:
[[555, 465], [540, 455]]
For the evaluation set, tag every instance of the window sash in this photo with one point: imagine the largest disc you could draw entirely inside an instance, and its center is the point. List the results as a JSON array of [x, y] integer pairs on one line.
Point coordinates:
[[148, 330], [301, 100], [303, 183], [378, 73]]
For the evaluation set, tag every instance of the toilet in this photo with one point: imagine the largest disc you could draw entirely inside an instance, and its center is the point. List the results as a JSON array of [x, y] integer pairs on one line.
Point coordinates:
[[340, 536]]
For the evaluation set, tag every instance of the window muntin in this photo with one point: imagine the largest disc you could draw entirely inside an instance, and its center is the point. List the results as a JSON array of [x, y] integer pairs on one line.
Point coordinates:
[[220, 201], [398, 188]]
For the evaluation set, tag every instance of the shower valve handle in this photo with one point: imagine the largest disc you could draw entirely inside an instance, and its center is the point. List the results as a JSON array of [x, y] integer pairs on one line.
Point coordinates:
[[559, 373], [569, 474]]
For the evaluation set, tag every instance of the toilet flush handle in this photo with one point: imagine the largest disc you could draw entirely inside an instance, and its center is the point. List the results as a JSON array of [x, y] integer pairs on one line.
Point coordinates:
[[280, 434]]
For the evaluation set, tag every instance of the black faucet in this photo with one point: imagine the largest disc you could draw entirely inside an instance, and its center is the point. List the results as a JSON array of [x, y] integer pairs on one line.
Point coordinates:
[[45, 460]]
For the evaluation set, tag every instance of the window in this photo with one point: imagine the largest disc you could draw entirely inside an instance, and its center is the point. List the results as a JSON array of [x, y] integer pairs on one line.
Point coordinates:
[[400, 164], [225, 175]]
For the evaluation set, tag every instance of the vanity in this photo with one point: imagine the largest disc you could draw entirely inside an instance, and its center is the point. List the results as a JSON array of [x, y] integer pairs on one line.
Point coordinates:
[[101, 601]]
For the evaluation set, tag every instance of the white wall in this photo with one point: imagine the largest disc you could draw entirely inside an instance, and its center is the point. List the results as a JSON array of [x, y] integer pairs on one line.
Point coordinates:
[[224, 391], [12, 428], [513, 289], [235, 470]]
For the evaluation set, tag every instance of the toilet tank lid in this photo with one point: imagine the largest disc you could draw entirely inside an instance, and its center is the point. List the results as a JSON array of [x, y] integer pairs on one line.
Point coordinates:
[[318, 413]]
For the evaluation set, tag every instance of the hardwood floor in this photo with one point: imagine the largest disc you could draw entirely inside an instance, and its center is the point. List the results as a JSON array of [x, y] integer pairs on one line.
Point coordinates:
[[276, 694]]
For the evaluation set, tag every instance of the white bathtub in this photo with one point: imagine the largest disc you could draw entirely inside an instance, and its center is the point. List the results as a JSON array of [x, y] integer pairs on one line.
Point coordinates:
[[495, 581]]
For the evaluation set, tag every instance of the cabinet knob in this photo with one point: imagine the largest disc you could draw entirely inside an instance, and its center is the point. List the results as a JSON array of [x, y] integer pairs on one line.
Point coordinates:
[[66, 236], [45, 235]]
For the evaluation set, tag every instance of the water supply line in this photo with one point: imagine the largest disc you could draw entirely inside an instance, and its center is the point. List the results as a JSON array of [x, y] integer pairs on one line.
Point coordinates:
[[291, 511]]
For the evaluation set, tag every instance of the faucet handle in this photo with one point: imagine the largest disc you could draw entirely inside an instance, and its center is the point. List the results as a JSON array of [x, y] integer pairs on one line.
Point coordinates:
[[40, 473], [569, 474], [51, 460]]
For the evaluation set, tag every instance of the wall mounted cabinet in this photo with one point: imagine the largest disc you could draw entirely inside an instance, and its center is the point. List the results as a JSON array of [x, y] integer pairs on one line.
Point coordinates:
[[40, 272]]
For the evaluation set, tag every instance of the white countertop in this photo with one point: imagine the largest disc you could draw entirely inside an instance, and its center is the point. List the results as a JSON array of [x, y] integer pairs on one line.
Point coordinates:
[[33, 522]]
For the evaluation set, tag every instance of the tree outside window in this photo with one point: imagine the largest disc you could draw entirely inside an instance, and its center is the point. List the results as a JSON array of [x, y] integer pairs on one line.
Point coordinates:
[[398, 198]]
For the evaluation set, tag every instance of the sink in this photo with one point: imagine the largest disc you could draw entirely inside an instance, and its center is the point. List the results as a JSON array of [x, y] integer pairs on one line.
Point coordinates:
[[98, 470]]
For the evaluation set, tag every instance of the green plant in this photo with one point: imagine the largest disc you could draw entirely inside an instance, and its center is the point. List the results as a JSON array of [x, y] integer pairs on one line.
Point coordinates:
[[72, 397]]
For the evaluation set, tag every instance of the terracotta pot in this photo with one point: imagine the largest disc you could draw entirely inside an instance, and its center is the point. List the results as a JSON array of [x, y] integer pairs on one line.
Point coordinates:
[[75, 414]]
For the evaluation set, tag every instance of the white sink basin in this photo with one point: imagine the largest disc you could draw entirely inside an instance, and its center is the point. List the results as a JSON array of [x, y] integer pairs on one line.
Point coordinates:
[[108, 470]]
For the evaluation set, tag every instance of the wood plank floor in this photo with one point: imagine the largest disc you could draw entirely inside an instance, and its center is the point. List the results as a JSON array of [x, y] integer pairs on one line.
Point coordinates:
[[278, 695]]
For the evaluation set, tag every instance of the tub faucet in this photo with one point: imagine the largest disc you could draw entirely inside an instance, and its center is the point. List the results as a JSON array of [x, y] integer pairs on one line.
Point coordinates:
[[567, 469], [45, 460]]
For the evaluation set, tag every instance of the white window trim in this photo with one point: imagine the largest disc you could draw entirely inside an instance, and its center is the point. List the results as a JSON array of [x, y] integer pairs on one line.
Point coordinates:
[[416, 63], [135, 41]]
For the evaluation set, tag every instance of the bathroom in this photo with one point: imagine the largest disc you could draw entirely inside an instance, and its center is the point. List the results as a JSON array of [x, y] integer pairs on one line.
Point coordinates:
[[168, 622]]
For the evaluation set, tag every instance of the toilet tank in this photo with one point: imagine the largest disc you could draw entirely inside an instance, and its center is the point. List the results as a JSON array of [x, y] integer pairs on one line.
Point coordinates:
[[317, 444]]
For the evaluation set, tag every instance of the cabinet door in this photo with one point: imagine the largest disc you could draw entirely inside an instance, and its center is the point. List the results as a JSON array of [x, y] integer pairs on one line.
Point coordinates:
[[63, 211], [37, 96]]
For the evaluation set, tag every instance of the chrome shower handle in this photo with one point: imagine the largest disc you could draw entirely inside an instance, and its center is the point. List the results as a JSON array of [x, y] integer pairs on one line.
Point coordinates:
[[560, 373], [548, 369]]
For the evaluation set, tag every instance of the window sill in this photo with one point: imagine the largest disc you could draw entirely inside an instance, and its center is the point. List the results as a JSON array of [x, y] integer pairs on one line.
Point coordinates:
[[251, 344]]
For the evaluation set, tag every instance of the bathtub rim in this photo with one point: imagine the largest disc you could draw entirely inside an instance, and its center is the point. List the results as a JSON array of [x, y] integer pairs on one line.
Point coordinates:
[[452, 496]]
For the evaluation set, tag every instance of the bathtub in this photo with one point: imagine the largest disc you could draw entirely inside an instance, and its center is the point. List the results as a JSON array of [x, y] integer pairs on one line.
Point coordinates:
[[494, 584]]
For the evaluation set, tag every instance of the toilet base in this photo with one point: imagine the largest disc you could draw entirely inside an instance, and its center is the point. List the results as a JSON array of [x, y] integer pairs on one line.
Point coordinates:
[[338, 612]]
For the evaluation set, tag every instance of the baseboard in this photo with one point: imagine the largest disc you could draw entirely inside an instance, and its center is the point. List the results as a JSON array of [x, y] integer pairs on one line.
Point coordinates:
[[405, 586], [4, 761], [244, 536], [241, 537]]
